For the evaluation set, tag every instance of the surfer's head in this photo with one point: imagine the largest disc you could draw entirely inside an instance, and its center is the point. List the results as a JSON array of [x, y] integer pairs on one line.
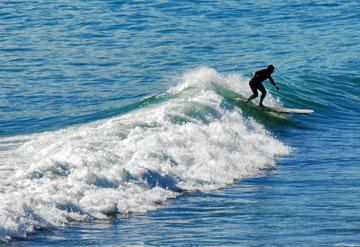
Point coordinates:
[[271, 68]]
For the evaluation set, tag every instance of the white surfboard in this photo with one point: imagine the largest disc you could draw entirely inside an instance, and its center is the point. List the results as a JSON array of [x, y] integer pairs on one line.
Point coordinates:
[[288, 110], [276, 109]]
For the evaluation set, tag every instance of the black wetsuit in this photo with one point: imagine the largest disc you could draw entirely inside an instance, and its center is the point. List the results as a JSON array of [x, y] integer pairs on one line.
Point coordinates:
[[256, 82]]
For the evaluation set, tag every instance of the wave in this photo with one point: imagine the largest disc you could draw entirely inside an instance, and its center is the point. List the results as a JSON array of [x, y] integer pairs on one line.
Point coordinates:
[[188, 139]]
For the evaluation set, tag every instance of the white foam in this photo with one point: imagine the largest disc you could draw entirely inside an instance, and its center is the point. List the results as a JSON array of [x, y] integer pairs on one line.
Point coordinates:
[[133, 162], [206, 78]]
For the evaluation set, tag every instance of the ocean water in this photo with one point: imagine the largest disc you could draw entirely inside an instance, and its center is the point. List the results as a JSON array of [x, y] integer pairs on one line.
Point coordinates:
[[120, 125]]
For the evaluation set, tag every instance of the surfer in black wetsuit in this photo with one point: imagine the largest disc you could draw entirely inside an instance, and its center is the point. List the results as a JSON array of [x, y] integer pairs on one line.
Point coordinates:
[[256, 83]]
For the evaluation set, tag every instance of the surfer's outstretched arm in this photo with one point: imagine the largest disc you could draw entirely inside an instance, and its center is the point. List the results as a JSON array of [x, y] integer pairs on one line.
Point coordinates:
[[273, 82]]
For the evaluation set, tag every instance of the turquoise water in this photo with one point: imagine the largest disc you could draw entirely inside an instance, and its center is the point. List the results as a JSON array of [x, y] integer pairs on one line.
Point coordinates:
[[119, 123]]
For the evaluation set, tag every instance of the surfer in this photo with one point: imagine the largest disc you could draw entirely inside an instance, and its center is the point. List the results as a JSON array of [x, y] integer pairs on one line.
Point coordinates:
[[256, 83]]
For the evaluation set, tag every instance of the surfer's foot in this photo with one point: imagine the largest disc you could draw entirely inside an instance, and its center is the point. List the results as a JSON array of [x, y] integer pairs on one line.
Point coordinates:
[[262, 106]]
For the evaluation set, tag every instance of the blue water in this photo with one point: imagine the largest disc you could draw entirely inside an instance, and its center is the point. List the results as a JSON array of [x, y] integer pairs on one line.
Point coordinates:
[[119, 123]]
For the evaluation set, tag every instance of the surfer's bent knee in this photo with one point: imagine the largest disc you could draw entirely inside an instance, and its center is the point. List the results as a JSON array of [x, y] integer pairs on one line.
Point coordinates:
[[253, 87]]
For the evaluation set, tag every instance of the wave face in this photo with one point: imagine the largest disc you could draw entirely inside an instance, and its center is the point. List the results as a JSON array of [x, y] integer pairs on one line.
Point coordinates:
[[191, 141]]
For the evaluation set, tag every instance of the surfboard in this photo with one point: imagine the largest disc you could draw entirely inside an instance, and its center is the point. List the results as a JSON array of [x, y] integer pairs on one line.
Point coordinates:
[[276, 109], [287, 110]]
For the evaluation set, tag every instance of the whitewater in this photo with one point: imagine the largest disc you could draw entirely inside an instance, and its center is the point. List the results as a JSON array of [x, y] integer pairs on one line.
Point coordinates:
[[185, 140]]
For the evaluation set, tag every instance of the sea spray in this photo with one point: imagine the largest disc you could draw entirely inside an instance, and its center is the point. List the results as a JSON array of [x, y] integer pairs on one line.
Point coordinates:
[[132, 162]]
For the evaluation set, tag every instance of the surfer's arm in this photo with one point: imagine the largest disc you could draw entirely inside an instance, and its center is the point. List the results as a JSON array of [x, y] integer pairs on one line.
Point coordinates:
[[273, 82]]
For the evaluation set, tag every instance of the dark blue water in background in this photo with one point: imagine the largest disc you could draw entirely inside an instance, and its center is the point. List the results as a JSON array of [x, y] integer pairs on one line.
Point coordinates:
[[64, 63]]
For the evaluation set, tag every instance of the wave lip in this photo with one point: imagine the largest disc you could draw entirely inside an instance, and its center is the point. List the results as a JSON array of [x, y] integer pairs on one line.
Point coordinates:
[[133, 162]]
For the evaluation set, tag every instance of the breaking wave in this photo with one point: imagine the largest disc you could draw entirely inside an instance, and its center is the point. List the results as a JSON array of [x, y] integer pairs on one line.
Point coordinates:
[[192, 140]]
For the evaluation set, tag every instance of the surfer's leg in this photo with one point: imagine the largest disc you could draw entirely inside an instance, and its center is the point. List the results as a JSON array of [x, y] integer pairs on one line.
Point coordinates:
[[252, 97], [254, 90], [263, 94]]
